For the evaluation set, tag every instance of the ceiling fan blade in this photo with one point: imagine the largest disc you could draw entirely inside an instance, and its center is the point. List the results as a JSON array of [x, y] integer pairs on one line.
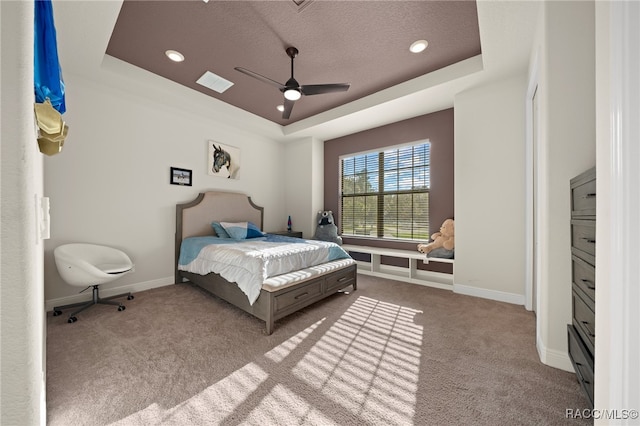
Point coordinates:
[[288, 106], [318, 89], [262, 78]]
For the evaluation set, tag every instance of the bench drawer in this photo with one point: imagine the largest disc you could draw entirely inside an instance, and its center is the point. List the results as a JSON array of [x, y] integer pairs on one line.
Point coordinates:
[[298, 296], [341, 280]]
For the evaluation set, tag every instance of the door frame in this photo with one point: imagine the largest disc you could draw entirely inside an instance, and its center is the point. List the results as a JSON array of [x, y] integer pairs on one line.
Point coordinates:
[[532, 181]]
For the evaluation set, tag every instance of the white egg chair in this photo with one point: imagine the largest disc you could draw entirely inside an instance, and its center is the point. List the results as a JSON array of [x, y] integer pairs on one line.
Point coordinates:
[[89, 266]]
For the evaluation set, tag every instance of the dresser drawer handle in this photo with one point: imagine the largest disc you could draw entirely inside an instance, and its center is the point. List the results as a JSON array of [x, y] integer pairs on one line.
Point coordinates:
[[343, 279], [301, 295], [589, 240], [586, 324], [580, 375], [587, 282], [589, 195]]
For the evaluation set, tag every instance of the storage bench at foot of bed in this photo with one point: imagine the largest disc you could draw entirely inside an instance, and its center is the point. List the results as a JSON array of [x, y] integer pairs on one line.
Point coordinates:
[[291, 299], [280, 296]]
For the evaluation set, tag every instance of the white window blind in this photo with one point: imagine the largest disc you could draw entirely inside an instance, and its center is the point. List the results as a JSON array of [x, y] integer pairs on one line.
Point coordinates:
[[386, 194]]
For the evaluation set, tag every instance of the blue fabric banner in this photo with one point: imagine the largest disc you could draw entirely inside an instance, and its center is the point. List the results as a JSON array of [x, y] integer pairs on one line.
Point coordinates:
[[47, 74]]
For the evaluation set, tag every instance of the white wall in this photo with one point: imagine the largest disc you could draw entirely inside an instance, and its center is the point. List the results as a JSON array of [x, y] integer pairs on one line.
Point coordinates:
[[317, 200], [566, 46], [22, 333], [489, 191], [303, 185], [110, 185]]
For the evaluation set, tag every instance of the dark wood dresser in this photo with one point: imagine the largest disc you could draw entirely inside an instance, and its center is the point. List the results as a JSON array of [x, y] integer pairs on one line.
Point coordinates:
[[582, 331]]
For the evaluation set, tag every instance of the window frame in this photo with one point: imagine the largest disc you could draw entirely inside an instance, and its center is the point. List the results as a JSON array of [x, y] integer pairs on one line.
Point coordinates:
[[380, 192]]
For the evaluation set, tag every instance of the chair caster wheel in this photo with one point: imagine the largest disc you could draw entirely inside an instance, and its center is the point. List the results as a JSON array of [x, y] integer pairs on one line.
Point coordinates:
[[130, 297], [57, 312], [121, 308], [72, 320]]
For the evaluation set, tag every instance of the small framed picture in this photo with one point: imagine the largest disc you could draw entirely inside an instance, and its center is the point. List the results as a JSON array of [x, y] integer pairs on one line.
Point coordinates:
[[180, 176]]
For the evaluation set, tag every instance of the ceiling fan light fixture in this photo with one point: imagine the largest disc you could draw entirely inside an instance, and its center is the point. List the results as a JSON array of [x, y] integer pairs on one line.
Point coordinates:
[[292, 90], [292, 94], [418, 46], [174, 55]]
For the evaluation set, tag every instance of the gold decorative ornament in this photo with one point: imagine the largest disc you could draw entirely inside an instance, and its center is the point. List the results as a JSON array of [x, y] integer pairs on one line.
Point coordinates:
[[52, 130]]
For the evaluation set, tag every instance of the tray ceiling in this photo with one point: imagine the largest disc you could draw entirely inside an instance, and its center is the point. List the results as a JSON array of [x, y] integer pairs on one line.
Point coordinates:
[[363, 43]]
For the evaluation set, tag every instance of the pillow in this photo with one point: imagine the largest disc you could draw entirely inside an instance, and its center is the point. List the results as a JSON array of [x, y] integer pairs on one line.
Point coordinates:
[[220, 232], [442, 253], [241, 230]]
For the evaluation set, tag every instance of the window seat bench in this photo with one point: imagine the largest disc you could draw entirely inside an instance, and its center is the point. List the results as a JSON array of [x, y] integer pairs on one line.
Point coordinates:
[[411, 274]]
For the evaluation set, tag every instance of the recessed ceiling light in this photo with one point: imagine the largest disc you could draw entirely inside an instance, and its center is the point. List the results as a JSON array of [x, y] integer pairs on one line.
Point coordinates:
[[280, 108], [174, 55], [418, 46]]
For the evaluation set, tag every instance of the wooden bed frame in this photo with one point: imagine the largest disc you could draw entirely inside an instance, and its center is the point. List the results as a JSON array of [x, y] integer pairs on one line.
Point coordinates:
[[194, 219]]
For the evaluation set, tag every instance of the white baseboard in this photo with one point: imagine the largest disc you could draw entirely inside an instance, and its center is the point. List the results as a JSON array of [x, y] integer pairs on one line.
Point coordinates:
[[553, 358], [110, 291], [500, 296]]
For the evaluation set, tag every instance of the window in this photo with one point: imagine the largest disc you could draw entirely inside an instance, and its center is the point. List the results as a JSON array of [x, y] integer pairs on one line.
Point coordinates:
[[386, 194]]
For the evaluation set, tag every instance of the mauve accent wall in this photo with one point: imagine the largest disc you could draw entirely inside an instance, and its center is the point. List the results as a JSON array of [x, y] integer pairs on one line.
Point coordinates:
[[438, 129]]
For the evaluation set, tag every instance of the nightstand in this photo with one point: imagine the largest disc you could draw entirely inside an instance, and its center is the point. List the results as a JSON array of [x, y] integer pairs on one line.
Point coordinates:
[[296, 234]]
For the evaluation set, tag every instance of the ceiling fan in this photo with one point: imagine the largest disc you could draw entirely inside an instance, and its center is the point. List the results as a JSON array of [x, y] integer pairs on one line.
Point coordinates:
[[292, 89]]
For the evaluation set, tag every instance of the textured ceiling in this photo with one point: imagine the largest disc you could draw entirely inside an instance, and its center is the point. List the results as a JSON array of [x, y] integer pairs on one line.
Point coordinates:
[[364, 43]]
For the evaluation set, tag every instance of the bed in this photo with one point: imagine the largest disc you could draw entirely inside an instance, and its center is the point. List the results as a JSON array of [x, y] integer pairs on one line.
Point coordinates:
[[279, 295]]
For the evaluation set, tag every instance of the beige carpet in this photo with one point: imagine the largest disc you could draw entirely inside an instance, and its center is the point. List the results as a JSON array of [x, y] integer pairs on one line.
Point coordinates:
[[390, 353]]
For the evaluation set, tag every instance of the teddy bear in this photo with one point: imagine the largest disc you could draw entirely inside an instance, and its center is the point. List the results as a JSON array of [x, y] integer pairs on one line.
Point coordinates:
[[443, 242], [327, 229]]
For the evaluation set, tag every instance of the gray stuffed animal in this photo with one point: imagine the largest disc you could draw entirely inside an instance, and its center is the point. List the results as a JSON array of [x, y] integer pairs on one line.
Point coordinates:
[[327, 229]]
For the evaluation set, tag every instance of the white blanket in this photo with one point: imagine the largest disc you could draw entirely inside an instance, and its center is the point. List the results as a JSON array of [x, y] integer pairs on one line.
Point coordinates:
[[250, 262]]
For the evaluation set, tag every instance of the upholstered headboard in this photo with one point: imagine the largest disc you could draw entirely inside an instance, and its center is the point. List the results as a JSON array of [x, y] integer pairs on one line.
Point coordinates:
[[194, 218]]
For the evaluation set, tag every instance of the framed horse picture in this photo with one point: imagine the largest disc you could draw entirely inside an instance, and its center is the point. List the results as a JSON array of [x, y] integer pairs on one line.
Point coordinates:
[[223, 160]]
